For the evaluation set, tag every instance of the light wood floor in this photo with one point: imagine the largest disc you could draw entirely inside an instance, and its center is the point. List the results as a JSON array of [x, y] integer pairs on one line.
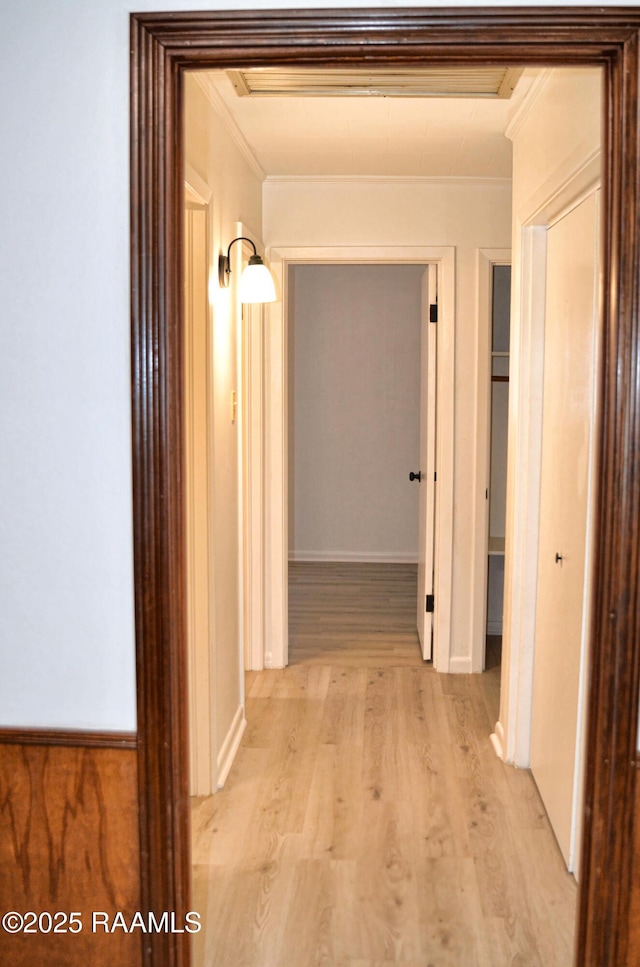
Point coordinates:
[[367, 820]]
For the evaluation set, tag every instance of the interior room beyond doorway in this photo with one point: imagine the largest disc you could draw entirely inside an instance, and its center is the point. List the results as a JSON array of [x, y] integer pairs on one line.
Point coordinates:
[[354, 436], [354, 408], [354, 334]]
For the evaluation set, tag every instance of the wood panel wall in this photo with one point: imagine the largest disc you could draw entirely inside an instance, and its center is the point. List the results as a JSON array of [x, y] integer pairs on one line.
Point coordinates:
[[634, 907], [69, 842]]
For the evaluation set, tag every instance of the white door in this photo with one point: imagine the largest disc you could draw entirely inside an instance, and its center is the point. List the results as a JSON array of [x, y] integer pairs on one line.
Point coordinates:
[[427, 483], [562, 606]]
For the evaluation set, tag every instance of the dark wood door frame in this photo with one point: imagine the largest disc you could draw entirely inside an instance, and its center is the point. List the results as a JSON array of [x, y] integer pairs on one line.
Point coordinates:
[[163, 47]]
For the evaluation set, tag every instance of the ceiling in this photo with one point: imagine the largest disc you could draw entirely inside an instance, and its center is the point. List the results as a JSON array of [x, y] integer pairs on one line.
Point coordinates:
[[346, 134]]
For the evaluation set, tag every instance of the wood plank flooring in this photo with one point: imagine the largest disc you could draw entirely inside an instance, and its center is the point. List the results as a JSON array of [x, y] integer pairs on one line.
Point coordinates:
[[367, 820], [350, 613]]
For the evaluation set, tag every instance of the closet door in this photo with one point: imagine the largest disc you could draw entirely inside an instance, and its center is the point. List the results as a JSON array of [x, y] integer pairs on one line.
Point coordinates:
[[562, 607]]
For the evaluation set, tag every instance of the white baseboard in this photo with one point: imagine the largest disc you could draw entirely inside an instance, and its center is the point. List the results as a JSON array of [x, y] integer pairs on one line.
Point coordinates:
[[230, 745], [494, 628], [355, 557], [497, 740], [460, 666]]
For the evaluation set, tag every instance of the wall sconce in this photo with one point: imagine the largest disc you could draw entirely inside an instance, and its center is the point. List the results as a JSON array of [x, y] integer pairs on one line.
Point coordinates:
[[256, 282]]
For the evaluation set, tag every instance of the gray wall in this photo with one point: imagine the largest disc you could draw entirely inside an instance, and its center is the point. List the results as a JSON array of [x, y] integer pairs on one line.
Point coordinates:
[[355, 394]]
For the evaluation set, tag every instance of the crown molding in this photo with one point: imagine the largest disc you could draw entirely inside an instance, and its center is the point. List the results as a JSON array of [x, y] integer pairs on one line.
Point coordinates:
[[521, 113], [228, 120], [434, 180]]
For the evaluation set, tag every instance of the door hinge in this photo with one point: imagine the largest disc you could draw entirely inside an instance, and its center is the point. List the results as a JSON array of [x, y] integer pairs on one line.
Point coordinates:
[[433, 312], [435, 476], [431, 603]]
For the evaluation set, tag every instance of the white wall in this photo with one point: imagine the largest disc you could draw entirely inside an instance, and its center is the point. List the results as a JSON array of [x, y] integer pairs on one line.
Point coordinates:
[[376, 212], [66, 570], [236, 196], [356, 399]]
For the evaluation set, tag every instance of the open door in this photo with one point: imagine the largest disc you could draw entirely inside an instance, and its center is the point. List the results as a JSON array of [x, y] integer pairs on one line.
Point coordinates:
[[427, 476]]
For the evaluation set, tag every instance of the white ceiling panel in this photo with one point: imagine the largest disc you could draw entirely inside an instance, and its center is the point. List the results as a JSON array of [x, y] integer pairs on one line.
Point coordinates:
[[482, 155]]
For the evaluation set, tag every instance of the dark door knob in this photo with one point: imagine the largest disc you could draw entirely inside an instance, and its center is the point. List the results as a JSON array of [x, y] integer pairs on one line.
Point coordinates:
[[415, 476]]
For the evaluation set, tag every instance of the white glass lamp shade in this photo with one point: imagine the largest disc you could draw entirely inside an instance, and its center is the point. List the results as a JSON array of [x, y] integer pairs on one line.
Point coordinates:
[[256, 282]]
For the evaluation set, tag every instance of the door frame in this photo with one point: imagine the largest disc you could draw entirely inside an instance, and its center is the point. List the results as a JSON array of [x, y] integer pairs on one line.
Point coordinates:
[[512, 736], [276, 431], [165, 45], [429, 526], [203, 762], [486, 259]]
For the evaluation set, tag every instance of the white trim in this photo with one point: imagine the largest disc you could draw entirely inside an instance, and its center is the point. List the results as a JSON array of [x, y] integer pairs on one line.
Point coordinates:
[[276, 487], [196, 190], [486, 259], [201, 660], [523, 493], [238, 257], [577, 178], [251, 470], [497, 740], [226, 117], [587, 600], [523, 110], [276, 433], [460, 665], [253, 500], [250, 466], [393, 180], [586, 181], [360, 254], [230, 745], [356, 557], [524, 459]]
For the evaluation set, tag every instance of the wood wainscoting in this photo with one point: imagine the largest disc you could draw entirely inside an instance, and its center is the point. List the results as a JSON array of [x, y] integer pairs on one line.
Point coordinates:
[[69, 843], [634, 911]]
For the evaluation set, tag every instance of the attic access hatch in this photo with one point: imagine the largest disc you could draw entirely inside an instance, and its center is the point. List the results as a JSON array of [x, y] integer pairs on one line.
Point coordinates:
[[482, 82]]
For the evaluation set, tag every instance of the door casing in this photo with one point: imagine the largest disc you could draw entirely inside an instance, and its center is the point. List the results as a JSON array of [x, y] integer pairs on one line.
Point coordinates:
[[276, 434], [163, 46]]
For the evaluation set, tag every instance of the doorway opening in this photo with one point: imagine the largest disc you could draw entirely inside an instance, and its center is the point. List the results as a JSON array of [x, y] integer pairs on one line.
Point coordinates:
[[318, 326], [160, 52], [280, 504], [353, 335], [498, 440]]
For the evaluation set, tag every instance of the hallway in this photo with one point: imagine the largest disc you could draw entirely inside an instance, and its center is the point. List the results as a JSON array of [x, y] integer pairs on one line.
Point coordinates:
[[366, 819]]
